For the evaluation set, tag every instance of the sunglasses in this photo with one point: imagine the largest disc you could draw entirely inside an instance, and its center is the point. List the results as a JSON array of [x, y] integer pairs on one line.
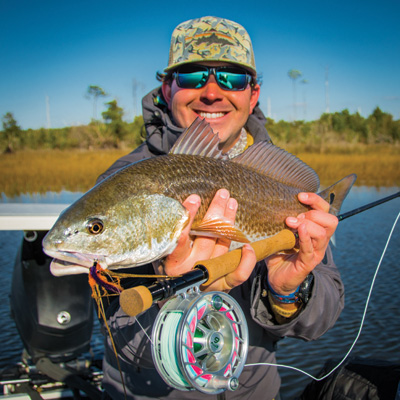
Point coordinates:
[[196, 76]]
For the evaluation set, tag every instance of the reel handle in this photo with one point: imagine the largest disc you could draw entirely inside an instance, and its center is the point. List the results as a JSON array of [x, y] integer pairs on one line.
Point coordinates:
[[135, 300]]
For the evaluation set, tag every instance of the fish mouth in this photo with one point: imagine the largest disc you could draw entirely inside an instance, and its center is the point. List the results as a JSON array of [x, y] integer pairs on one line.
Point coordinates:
[[73, 263]]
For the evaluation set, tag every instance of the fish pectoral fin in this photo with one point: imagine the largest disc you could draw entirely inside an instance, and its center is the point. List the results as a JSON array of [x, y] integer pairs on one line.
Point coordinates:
[[219, 228]]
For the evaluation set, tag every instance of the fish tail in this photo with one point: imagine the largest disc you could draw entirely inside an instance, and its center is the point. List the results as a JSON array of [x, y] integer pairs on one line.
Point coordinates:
[[336, 193]]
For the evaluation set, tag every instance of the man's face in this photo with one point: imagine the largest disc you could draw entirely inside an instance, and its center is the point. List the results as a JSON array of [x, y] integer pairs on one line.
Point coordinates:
[[226, 111]]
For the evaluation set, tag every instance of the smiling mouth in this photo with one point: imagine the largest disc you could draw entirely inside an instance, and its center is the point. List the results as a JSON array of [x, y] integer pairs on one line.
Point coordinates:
[[209, 115]]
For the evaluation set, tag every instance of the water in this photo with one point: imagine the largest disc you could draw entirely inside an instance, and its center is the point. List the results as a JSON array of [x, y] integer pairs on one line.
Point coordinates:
[[360, 241], [359, 244]]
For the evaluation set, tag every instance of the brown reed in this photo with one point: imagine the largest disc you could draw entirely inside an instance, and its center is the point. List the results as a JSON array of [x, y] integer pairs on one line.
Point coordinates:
[[42, 171]]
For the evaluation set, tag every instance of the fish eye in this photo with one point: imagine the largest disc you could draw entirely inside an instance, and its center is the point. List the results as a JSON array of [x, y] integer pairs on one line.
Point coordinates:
[[95, 226]]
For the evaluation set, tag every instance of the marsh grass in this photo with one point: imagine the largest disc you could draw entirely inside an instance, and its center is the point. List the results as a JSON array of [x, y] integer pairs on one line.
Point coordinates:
[[371, 170], [377, 165], [42, 171]]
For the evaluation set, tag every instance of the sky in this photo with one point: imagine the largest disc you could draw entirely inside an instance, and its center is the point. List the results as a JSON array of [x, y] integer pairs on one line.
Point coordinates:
[[51, 51]]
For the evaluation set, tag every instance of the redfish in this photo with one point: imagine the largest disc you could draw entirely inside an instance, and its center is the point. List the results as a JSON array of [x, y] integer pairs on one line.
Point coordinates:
[[136, 216]]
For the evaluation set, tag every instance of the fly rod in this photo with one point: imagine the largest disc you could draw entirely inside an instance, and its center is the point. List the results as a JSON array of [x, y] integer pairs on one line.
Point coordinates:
[[348, 214], [135, 300]]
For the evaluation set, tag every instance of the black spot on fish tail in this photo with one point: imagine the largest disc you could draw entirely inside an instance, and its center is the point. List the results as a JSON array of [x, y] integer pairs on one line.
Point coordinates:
[[336, 193]]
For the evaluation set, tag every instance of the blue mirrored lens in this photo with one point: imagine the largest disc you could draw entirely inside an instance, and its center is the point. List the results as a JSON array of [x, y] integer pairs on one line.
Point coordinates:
[[192, 80], [232, 81], [195, 77]]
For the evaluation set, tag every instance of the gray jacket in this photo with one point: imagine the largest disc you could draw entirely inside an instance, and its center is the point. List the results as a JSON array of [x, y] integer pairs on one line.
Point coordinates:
[[132, 341]]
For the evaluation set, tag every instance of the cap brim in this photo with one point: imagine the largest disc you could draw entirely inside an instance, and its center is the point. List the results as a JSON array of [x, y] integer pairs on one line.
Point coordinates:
[[202, 60]]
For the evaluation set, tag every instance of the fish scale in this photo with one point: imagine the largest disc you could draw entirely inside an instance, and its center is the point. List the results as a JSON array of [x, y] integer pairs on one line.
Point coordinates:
[[258, 196]]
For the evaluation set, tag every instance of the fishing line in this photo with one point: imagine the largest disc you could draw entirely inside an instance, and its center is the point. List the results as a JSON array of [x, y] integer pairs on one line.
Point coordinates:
[[361, 324], [143, 330], [168, 349]]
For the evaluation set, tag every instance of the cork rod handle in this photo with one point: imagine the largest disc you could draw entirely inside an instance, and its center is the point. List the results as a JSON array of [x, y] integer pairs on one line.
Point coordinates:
[[227, 263]]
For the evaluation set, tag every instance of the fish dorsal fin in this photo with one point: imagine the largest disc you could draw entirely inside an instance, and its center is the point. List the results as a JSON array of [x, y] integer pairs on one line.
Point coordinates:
[[198, 140], [278, 164]]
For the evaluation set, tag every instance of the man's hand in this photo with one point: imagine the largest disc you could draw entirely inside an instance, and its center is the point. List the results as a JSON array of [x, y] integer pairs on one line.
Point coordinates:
[[315, 228], [189, 250]]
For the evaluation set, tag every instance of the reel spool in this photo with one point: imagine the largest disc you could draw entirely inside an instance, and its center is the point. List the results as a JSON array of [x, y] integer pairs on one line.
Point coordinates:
[[200, 341]]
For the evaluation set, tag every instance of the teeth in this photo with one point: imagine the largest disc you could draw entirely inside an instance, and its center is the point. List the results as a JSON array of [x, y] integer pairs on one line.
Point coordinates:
[[211, 115]]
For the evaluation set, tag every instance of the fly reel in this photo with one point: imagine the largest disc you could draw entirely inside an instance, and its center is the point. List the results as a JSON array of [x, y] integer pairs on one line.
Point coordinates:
[[200, 341]]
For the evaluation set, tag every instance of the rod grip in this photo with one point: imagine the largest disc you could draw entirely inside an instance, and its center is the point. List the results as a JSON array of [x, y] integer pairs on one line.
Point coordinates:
[[227, 263]]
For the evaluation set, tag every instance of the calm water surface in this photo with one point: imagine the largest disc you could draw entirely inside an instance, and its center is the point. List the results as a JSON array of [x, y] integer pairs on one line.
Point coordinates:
[[359, 243]]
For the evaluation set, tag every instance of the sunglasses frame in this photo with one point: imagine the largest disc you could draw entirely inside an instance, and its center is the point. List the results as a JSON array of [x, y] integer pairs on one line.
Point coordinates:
[[213, 71]]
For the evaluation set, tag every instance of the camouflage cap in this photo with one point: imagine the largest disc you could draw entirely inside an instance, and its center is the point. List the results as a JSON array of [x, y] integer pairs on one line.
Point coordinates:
[[211, 39]]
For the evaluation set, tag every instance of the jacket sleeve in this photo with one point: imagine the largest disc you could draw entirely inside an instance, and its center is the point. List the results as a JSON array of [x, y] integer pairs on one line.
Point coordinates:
[[317, 316]]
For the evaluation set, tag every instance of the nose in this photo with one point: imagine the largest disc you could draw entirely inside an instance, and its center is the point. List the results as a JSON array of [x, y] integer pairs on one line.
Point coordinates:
[[211, 92]]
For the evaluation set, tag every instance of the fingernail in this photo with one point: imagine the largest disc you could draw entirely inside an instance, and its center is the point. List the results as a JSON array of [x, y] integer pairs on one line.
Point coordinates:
[[292, 220], [223, 193], [303, 196], [247, 246], [194, 200], [232, 204]]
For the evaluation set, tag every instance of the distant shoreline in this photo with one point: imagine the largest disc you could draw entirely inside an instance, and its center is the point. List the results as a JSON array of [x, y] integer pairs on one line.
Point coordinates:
[[42, 171]]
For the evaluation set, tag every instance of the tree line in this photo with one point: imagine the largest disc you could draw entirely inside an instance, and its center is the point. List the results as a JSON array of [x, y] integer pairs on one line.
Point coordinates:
[[113, 132], [339, 128], [96, 135]]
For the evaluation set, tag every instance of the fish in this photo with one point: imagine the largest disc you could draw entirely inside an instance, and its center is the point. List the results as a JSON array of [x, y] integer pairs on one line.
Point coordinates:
[[135, 216]]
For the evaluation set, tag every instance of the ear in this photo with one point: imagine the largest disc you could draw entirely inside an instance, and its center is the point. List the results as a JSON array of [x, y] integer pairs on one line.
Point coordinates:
[[166, 91], [254, 96]]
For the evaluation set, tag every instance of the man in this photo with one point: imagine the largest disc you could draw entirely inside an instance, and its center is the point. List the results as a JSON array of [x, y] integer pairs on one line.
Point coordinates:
[[211, 74]]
